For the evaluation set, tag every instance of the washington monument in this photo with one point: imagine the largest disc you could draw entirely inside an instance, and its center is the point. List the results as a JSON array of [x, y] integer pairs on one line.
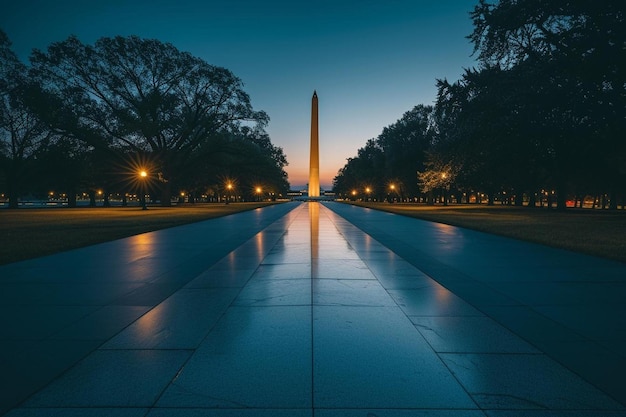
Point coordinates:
[[314, 156]]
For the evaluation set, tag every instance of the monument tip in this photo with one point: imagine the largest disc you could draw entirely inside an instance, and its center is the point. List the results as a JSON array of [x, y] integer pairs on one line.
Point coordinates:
[[315, 92]]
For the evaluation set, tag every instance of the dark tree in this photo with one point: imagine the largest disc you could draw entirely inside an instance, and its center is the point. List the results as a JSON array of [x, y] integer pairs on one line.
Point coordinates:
[[63, 166], [404, 146], [364, 172], [21, 131], [571, 57], [142, 95], [483, 132], [391, 159], [247, 157]]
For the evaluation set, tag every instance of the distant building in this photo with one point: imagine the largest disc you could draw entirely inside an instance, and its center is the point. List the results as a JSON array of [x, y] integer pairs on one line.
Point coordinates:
[[304, 195]]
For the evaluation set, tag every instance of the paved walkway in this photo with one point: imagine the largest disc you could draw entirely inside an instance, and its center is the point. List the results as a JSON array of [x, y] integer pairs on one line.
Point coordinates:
[[312, 310]]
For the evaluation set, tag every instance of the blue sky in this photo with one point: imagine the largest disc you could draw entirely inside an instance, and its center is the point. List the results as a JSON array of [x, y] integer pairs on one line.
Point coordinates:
[[370, 61]]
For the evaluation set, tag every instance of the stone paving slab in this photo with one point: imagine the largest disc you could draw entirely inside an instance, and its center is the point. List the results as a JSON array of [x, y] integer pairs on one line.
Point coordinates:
[[308, 315], [567, 305], [57, 309]]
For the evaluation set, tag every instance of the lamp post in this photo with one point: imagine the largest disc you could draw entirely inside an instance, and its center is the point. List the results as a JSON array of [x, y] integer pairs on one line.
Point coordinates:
[[368, 190], [392, 187], [445, 188], [353, 194], [143, 176], [258, 193], [229, 187]]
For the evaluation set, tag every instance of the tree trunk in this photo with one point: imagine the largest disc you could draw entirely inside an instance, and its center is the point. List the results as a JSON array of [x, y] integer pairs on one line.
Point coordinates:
[[561, 204], [92, 198], [166, 195], [549, 201], [12, 190], [532, 200], [429, 198], [613, 200], [13, 198], [71, 198]]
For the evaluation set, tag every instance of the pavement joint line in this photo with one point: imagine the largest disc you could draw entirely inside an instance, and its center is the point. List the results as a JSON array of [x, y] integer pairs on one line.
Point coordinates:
[[325, 308]]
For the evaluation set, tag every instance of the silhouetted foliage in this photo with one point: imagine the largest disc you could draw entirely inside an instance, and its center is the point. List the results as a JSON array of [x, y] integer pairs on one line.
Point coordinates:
[[568, 59], [146, 97], [391, 159], [542, 116], [86, 119], [247, 157], [22, 132]]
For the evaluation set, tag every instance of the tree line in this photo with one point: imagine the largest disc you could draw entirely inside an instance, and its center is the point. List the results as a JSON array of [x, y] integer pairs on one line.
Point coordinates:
[[540, 120], [82, 118]]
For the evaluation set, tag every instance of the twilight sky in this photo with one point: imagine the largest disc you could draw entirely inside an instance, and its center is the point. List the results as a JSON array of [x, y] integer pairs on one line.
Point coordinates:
[[369, 60]]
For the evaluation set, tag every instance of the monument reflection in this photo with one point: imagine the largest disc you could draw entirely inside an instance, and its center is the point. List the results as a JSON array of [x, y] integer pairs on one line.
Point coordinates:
[[314, 218]]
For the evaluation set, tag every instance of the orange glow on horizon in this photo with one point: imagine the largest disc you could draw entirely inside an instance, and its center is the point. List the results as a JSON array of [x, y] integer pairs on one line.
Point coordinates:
[[299, 177]]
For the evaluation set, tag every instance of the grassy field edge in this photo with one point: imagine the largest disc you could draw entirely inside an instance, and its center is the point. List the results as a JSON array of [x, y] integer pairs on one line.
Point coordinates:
[[592, 232], [31, 233]]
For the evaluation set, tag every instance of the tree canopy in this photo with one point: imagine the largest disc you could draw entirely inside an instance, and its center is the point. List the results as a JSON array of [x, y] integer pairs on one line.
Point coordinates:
[[143, 100], [543, 114], [388, 164], [21, 130]]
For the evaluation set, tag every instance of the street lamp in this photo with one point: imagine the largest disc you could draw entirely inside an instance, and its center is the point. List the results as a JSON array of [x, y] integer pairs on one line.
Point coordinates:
[[143, 176], [258, 193], [229, 187], [392, 187], [445, 188], [368, 190]]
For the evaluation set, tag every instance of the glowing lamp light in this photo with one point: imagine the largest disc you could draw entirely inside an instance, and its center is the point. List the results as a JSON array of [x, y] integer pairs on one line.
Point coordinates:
[[143, 174]]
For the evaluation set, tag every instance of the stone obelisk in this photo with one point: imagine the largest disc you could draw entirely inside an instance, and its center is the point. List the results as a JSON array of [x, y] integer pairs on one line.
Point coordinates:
[[314, 156]]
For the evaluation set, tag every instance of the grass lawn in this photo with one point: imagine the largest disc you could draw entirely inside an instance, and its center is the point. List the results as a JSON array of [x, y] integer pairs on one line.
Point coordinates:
[[29, 233], [595, 232]]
